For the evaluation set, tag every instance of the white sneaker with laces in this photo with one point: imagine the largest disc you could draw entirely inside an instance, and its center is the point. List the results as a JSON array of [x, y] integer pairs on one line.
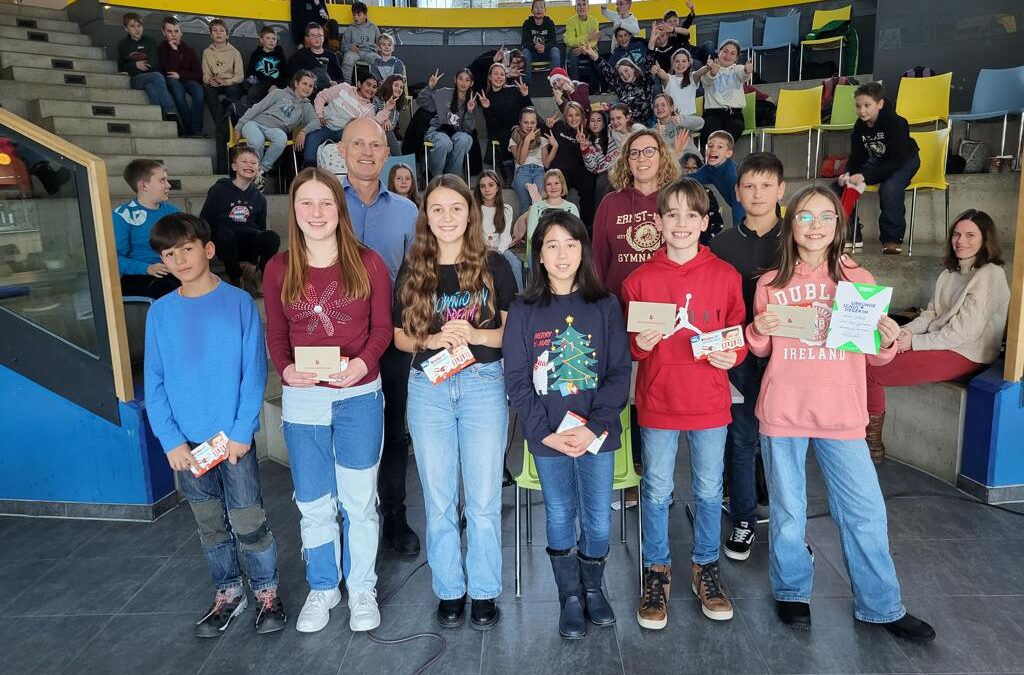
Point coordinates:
[[363, 612], [317, 611]]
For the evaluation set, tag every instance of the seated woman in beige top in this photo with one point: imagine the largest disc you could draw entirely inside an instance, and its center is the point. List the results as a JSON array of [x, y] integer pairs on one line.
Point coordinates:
[[962, 329]]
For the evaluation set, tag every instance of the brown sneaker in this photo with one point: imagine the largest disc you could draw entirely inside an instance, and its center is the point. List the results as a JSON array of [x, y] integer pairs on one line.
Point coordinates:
[[706, 583], [892, 248], [653, 611]]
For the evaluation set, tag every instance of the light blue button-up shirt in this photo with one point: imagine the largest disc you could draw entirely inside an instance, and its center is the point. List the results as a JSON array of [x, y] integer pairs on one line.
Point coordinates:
[[387, 226]]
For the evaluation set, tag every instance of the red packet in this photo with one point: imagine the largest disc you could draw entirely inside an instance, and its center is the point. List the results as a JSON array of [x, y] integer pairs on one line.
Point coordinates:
[[210, 453], [725, 340], [445, 363]]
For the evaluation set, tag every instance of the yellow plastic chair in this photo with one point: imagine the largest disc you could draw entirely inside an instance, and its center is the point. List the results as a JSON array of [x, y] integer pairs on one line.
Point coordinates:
[[799, 110], [700, 106], [266, 144], [822, 17], [924, 99], [624, 476], [750, 118], [933, 146], [844, 116]]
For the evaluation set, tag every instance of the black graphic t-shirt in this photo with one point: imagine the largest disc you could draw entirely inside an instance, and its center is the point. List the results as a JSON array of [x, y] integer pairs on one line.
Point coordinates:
[[451, 302], [267, 67]]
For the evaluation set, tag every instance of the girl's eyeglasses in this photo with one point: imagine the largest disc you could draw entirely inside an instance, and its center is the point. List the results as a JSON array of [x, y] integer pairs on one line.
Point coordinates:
[[648, 152], [825, 218]]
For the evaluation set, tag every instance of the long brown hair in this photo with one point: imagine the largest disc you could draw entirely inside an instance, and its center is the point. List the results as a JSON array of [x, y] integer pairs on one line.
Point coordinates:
[[413, 195], [990, 251], [417, 290], [353, 277], [499, 199], [668, 167], [789, 255]]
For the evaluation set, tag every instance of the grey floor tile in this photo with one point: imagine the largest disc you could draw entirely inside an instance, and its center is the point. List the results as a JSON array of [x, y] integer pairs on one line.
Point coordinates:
[[416, 590], [37, 538], [183, 585], [964, 567], [837, 643], [748, 579], [35, 645], [949, 518], [690, 643], [972, 635], [161, 538], [155, 644], [85, 586], [527, 641], [17, 574], [461, 655]]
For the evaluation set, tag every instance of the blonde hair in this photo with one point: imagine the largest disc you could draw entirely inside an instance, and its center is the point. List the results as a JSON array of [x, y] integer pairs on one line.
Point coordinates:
[[557, 173], [668, 168]]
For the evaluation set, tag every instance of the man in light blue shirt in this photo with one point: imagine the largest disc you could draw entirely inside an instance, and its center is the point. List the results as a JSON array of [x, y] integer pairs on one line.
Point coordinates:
[[385, 222]]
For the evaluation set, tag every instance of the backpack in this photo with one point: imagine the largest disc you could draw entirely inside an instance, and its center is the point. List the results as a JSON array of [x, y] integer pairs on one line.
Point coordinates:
[[828, 94], [919, 71], [832, 29], [833, 166]]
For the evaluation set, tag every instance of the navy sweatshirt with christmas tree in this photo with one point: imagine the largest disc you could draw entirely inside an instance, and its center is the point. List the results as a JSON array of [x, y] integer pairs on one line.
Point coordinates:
[[567, 355]]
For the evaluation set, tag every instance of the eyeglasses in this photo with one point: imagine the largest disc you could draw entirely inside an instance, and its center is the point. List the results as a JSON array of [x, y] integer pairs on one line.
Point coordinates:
[[825, 218], [648, 152]]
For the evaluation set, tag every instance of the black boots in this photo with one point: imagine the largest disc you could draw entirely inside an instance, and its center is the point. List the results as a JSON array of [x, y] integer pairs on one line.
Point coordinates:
[[566, 566], [595, 604]]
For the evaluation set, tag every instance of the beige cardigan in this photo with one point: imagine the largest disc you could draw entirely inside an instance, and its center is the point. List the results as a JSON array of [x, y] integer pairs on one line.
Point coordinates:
[[967, 313]]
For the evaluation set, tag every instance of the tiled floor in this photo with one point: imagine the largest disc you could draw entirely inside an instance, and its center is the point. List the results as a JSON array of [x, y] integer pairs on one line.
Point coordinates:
[[99, 597]]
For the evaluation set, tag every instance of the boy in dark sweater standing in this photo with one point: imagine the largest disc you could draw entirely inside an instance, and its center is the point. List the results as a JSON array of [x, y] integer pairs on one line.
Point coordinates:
[[882, 153], [206, 369], [180, 65], [137, 56], [265, 70], [237, 212], [751, 247], [540, 42]]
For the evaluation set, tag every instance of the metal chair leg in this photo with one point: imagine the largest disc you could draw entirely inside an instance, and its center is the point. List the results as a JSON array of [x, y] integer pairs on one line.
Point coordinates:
[[529, 516], [910, 228], [841, 50], [809, 154], [519, 545], [1002, 143], [622, 516], [948, 225], [789, 61], [800, 67], [640, 540]]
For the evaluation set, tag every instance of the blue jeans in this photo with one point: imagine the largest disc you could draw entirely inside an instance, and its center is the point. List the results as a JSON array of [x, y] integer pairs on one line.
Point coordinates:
[[458, 428], [336, 464], [857, 508], [526, 174], [517, 268], [256, 135], [707, 461], [741, 446], [155, 86], [551, 54], [190, 113], [578, 487], [578, 66], [228, 508], [892, 221], [448, 154], [314, 139]]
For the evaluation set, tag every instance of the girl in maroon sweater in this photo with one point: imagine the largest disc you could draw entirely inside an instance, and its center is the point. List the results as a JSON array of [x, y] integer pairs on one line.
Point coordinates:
[[328, 290]]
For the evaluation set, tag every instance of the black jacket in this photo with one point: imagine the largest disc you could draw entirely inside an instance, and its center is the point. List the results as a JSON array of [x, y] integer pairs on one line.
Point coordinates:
[[228, 207], [750, 254], [878, 151], [268, 68]]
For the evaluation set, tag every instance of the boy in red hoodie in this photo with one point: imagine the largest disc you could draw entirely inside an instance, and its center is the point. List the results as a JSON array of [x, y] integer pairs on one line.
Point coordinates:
[[677, 393]]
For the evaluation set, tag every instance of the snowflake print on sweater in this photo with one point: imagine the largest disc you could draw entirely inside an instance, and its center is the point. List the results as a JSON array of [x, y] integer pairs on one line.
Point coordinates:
[[322, 311]]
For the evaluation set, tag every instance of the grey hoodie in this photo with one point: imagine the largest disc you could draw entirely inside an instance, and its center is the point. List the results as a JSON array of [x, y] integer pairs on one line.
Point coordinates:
[[282, 109], [438, 102], [363, 36]]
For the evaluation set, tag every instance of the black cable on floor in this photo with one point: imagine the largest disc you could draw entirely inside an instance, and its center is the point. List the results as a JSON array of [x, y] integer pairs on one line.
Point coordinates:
[[408, 638]]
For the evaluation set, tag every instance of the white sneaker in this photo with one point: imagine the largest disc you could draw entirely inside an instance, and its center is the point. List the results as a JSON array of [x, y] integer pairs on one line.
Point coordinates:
[[317, 611], [364, 614]]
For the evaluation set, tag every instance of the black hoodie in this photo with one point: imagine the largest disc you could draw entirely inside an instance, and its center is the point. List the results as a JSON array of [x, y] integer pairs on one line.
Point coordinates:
[[878, 151], [227, 206], [268, 67]]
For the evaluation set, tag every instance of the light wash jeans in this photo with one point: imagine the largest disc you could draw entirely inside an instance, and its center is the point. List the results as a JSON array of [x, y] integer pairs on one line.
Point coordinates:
[[855, 500], [580, 489], [552, 54], [336, 462], [458, 429], [448, 154], [526, 174], [255, 134], [707, 462], [517, 267], [155, 86]]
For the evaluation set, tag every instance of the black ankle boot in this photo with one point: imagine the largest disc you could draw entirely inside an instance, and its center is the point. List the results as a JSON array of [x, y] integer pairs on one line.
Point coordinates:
[[571, 623], [591, 574]]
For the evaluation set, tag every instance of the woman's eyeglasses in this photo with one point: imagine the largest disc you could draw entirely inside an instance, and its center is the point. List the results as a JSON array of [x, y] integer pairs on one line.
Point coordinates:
[[648, 152]]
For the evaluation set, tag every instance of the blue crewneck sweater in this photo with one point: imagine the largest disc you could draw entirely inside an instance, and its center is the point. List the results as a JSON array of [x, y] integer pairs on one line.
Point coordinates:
[[723, 177], [132, 223], [206, 367], [569, 355]]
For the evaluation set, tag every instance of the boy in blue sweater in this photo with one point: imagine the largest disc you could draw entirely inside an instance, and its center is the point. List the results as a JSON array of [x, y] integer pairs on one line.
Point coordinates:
[[720, 171], [142, 272], [215, 329]]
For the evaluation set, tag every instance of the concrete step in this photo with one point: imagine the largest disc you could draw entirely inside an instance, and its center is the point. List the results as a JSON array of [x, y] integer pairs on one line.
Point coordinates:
[[100, 127], [39, 24], [184, 185], [144, 147], [33, 12], [17, 95], [177, 165], [43, 108], [49, 76], [52, 49], [60, 63], [44, 36]]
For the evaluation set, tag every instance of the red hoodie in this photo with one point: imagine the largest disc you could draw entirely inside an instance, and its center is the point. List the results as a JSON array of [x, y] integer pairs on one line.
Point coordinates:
[[673, 391], [624, 235], [810, 390]]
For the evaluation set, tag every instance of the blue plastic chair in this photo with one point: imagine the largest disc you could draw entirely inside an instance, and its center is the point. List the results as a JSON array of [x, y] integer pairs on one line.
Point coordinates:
[[999, 92], [740, 31], [780, 32]]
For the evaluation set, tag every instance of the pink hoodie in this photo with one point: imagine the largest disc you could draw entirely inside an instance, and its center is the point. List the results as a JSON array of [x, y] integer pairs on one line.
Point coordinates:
[[810, 390]]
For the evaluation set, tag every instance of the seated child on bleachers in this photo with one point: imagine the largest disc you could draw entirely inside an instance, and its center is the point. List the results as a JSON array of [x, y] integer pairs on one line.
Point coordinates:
[[184, 76], [358, 41], [324, 64], [266, 68], [540, 42], [137, 56], [625, 46], [623, 16], [669, 124], [723, 81], [223, 73], [882, 153], [388, 105], [528, 146], [336, 107], [142, 271], [385, 63], [720, 171], [682, 87], [236, 210]]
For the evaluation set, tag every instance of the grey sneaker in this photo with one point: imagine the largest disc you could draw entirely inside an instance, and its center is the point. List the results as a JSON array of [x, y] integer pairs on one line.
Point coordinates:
[[217, 620]]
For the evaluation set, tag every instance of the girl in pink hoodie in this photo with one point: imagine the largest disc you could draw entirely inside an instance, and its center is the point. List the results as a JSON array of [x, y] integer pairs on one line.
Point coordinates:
[[811, 391]]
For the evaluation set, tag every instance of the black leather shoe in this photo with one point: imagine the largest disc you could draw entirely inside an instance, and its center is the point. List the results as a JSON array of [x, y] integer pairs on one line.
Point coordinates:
[[451, 613], [911, 629], [399, 536], [484, 615], [795, 614]]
